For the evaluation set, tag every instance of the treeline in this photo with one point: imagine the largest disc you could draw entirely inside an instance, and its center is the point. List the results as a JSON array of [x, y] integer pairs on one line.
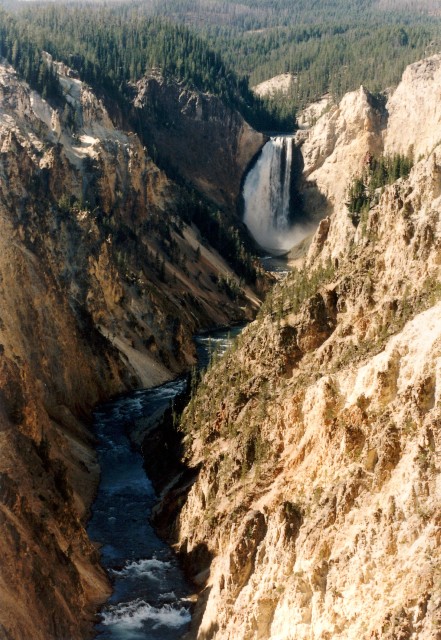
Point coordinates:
[[24, 54], [248, 15], [329, 46], [113, 46], [226, 46], [338, 58], [330, 57]]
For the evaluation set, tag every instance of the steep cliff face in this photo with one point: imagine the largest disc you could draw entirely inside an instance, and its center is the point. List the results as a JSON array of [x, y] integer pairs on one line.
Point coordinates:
[[414, 111], [102, 283], [336, 147], [197, 135], [362, 125], [316, 510]]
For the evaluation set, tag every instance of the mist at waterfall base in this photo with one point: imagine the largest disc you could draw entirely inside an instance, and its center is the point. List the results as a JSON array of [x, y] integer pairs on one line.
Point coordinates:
[[150, 598], [267, 198]]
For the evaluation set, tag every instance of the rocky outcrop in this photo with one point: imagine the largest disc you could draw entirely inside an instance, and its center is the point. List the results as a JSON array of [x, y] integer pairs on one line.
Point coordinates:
[[103, 280], [276, 85], [336, 148], [198, 136], [318, 436], [405, 121], [414, 110]]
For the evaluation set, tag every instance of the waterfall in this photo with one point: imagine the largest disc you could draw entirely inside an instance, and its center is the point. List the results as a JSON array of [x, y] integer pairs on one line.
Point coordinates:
[[267, 196]]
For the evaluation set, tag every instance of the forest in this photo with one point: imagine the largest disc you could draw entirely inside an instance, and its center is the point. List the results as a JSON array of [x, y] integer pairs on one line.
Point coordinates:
[[378, 172], [225, 47], [111, 48], [328, 46]]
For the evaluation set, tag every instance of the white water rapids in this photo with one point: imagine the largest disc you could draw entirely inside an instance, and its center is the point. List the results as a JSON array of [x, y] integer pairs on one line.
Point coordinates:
[[151, 598], [267, 198]]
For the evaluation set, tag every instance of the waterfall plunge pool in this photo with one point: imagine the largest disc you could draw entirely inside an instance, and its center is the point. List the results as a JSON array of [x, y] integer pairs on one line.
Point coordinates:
[[268, 202], [150, 598]]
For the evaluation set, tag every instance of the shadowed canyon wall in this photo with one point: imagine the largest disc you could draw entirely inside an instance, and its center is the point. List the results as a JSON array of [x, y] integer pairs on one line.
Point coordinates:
[[103, 281]]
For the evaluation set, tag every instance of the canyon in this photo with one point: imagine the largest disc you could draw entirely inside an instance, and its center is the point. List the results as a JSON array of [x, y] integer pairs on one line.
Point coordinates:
[[104, 279], [316, 439], [310, 504]]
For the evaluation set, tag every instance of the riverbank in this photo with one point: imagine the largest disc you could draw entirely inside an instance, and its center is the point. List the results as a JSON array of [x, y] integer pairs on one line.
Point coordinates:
[[150, 595], [151, 598]]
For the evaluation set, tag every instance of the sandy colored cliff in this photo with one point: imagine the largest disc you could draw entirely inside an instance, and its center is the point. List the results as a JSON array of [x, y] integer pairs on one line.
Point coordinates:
[[316, 512]]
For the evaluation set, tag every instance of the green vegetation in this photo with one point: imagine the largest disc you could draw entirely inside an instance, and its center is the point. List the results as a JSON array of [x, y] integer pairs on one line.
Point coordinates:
[[223, 46], [378, 173], [239, 384], [291, 293], [409, 305], [222, 233], [25, 55], [113, 47], [333, 57], [327, 45]]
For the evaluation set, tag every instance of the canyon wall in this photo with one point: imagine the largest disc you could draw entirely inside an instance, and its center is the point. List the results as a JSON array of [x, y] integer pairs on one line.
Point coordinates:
[[336, 147], [103, 280], [407, 121], [316, 508], [198, 136]]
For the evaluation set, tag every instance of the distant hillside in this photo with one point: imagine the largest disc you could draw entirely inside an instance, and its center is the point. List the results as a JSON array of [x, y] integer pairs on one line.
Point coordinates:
[[225, 46], [111, 48], [332, 46]]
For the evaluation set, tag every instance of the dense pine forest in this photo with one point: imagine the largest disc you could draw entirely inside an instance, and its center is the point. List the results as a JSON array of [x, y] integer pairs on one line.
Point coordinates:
[[113, 47], [327, 46], [225, 47]]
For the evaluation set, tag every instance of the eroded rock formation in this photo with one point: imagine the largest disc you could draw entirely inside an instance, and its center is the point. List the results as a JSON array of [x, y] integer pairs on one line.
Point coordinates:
[[198, 136], [316, 512], [103, 280]]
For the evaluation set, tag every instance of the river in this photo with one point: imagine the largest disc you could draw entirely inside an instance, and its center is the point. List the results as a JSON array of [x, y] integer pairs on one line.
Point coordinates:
[[151, 598]]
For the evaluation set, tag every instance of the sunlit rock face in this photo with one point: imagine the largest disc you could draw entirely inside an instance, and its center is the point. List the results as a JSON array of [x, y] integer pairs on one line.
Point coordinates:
[[336, 147], [315, 167], [316, 509], [415, 111]]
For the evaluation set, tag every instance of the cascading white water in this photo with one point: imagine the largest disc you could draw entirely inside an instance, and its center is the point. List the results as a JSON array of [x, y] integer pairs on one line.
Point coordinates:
[[267, 194]]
